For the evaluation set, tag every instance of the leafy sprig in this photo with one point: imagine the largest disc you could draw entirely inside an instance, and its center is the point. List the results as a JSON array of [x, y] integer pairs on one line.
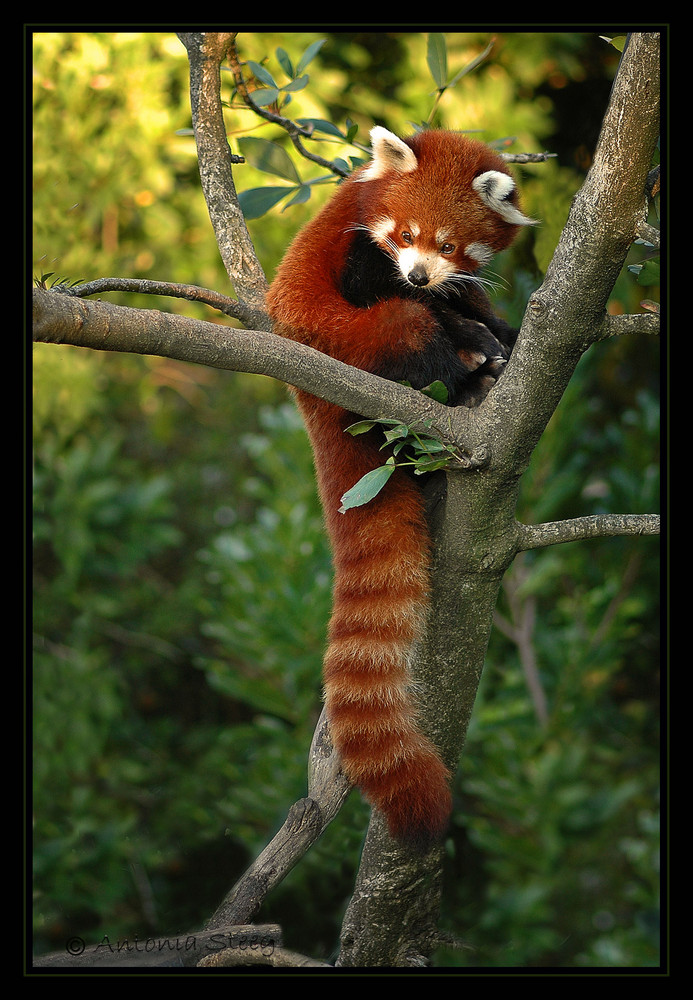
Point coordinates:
[[409, 445]]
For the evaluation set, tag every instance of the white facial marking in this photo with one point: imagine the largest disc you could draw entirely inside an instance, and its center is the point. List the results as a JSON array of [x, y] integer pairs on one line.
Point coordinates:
[[479, 252], [436, 267], [381, 228]]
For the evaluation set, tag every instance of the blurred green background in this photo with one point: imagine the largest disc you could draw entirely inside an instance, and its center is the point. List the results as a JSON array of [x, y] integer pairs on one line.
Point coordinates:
[[181, 575]]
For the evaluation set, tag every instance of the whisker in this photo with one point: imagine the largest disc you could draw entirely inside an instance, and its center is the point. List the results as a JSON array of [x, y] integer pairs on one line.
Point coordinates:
[[449, 286], [453, 284]]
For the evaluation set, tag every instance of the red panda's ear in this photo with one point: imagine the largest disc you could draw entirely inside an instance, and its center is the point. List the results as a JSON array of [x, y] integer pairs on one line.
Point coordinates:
[[496, 190], [390, 153]]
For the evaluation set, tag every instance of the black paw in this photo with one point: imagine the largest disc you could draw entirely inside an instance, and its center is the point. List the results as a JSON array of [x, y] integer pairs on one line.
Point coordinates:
[[478, 348], [483, 357]]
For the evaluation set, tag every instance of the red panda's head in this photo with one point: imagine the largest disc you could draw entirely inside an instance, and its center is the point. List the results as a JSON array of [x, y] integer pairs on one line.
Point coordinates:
[[441, 204]]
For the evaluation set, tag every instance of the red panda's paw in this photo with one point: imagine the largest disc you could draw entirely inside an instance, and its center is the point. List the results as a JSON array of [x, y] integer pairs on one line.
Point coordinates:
[[484, 357], [478, 348]]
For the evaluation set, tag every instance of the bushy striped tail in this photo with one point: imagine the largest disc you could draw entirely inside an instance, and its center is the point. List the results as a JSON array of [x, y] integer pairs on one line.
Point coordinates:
[[381, 563]]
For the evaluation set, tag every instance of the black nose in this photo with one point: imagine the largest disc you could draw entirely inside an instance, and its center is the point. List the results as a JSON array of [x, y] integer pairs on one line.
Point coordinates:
[[418, 276]]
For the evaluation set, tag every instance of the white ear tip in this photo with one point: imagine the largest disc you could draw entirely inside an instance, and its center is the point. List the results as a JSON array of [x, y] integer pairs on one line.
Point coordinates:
[[380, 132], [493, 184], [389, 153], [494, 188]]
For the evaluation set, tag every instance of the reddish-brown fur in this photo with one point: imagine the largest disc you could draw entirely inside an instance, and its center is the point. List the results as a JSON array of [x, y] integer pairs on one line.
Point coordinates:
[[381, 565], [381, 550]]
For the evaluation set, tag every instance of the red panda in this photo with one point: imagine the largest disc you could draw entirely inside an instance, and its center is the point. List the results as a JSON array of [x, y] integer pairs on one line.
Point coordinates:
[[385, 279]]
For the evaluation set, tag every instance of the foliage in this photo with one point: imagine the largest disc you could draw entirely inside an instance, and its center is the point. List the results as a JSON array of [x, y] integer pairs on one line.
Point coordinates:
[[181, 577], [116, 184], [408, 446]]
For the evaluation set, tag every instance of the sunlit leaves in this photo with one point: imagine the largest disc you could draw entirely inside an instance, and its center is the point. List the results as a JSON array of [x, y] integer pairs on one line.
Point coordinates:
[[276, 93], [437, 61], [272, 158]]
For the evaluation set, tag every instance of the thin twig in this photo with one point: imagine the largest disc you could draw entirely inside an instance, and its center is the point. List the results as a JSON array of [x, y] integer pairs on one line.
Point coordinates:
[[307, 819], [145, 286], [520, 630], [295, 132]]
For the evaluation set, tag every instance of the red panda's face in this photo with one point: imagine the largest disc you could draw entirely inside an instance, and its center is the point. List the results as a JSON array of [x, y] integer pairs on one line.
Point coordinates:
[[426, 256], [441, 205]]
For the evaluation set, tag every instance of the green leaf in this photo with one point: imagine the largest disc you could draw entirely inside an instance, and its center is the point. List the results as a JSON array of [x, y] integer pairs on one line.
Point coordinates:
[[437, 59], [618, 41], [436, 390], [303, 193], [284, 61], [269, 157], [649, 273], [396, 433], [320, 125], [354, 163], [310, 54], [363, 426], [298, 84], [352, 129], [428, 446], [436, 463], [266, 95], [261, 74], [257, 201], [367, 487]]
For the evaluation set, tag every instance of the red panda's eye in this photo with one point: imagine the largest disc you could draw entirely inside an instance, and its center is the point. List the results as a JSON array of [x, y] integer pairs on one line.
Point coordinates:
[[407, 237], [447, 248]]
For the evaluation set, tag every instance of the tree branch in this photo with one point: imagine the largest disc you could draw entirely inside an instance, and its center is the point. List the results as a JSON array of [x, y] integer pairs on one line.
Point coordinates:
[[61, 318], [278, 958], [631, 323], [206, 50], [306, 821], [520, 630], [567, 314], [175, 951], [537, 536], [146, 286]]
